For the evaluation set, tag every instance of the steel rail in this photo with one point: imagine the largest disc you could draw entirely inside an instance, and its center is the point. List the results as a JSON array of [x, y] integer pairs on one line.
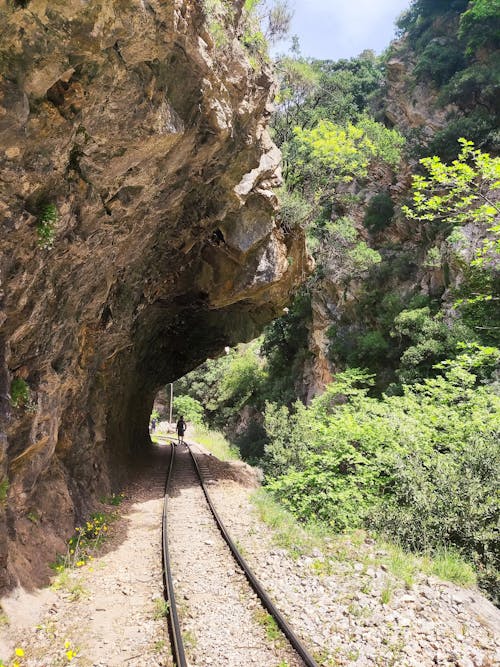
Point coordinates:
[[252, 579], [175, 628]]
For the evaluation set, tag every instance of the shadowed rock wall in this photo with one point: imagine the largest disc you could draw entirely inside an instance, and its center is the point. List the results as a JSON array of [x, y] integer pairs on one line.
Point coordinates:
[[149, 143]]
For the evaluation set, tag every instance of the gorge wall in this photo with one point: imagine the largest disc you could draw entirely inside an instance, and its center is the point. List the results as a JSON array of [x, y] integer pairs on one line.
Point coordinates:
[[349, 303], [138, 238]]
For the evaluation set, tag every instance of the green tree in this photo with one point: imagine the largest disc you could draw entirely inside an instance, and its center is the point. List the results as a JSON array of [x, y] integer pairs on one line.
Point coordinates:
[[341, 153], [314, 90], [189, 408], [457, 193], [460, 193], [480, 25]]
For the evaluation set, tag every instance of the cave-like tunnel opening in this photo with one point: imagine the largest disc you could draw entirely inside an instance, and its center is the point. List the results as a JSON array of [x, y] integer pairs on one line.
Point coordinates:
[[171, 340]]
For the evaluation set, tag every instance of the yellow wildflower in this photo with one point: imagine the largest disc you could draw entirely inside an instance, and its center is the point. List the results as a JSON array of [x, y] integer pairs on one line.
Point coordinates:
[[19, 652]]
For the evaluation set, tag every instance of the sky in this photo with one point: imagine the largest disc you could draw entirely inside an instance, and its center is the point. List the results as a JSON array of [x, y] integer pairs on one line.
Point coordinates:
[[336, 29]]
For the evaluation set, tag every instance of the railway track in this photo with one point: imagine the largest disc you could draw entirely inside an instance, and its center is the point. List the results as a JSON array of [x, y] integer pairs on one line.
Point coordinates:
[[219, 614]]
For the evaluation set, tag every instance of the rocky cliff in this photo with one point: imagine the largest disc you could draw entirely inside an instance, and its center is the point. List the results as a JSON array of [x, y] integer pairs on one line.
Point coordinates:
[[341, 302], [138, 238]]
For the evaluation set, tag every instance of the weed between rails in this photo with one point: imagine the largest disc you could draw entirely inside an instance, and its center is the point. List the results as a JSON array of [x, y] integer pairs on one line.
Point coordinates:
[[189, 640], [161, 609], [265, 620]]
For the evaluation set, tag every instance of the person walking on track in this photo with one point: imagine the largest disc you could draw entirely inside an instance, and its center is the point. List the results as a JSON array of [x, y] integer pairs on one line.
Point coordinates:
[[181, 429]]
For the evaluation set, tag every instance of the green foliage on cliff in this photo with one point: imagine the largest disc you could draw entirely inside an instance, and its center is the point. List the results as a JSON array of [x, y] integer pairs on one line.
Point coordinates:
[[46, 226], [428, 340], [285, 347], [341, 153], [19, 393], [480, 25], [379, 212], [456, 48]]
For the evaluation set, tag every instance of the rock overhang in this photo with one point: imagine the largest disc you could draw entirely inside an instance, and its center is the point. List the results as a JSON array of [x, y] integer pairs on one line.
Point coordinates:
[[151, 145]]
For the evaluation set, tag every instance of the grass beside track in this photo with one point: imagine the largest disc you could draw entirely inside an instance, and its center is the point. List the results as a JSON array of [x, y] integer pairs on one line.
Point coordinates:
[[353, 547]]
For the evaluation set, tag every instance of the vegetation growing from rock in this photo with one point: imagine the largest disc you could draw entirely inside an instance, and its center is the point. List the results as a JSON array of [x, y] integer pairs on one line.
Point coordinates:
[[456, 48], [46, 226], [19, 393]]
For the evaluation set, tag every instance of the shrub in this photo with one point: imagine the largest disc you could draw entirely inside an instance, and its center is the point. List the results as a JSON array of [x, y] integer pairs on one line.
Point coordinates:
[[294, 210], [363, 257], [379, 212], [447, 497], [19, 393], [423, 466]]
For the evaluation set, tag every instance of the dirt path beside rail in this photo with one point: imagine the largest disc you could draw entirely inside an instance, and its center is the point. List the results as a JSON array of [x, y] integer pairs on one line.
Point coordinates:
[[109, 612]]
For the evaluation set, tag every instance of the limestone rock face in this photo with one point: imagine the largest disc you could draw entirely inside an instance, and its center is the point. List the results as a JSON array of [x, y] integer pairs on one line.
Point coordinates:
[[138, 237], [410, 104]]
